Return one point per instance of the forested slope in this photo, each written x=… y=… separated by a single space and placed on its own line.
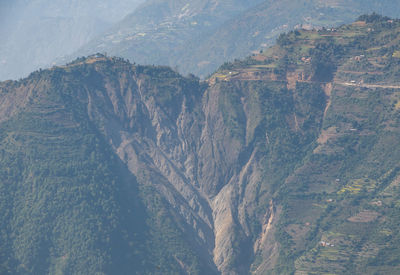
x=284 y=162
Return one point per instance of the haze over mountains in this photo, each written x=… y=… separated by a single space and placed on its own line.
x=194 y=36
x=198 y=36
x=34 y=33
x=286 y=162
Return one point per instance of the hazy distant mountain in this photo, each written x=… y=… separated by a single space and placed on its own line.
x=158 y=32
x=258 y=27
x=286 y=162
x=192 y=35
x=36 y=32
x=198 y=36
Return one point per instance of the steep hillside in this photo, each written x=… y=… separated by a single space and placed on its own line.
x=198 y=36
x=259 y=26
x=70 y=205
x=286 y=162
x=337 y=200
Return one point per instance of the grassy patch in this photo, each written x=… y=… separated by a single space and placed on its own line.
x=397 y=106
x=357 y=185
x=396 y=54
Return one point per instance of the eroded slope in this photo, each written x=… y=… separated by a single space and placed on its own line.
x=286 y=162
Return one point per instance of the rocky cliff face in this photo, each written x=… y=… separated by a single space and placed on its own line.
x=202 y=149
x=270 y=167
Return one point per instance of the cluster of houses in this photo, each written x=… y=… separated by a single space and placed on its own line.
x=377 y=203
x=326 y=244
x=332 y=30
x=360 y=82
x=359 y=57
x=306 y=59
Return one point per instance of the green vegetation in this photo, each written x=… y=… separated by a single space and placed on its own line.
x=335 y=191
x=286 y=161
x=232 y=29
x=69 y=204
x=64 y=184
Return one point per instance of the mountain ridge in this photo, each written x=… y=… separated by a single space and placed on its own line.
x=284 y=162
x=201 y=40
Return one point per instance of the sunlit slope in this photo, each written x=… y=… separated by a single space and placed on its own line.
x=284 y=162
x=198 y=36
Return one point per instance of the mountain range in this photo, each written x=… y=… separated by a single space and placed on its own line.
x=198 y=36
x=284 y=162
x=193 y=36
